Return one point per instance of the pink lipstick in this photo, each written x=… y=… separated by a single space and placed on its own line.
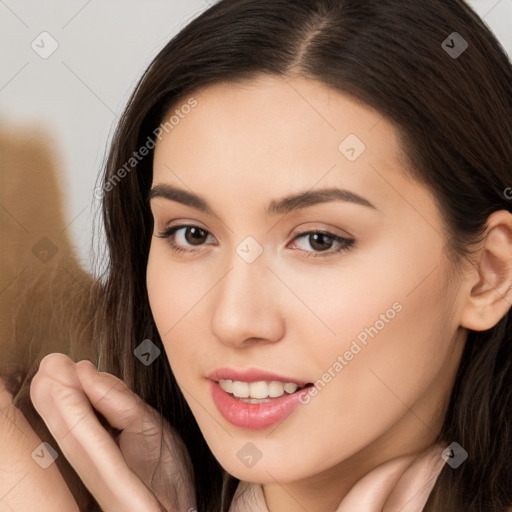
x=255 y=399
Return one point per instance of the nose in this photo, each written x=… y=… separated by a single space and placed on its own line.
x=246 y=306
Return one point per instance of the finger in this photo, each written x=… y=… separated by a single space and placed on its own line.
x=151 y=448
x=59 y=398
x=370 y=493
x=111 y=397
x=26 y=468
x=140 y=424
x=413 y=489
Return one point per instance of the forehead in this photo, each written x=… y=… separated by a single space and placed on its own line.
x=273 y=115
x=277 y=135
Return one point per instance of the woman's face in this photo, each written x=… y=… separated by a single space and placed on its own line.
x=311 y=257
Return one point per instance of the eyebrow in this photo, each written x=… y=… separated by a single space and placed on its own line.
x=284 y=205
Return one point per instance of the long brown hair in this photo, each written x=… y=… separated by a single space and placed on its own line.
x=454 y=116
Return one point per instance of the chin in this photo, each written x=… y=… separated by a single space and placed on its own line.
x=245 y=462
x=263 y=474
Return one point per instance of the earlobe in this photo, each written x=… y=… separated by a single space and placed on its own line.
x=490 y=296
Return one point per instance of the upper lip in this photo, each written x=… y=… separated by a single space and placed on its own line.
x=251 y=375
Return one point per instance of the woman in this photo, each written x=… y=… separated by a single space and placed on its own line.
x=307 y=209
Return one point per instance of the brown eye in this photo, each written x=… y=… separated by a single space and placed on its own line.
x=320 y=241
x=185 y=237
x=195 y=236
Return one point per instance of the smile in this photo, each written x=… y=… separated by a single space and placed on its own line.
x=258 y=392
x=257 y=404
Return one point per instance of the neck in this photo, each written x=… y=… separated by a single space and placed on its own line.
x=325 y=491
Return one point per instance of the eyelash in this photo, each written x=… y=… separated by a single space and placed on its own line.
x=345 y=244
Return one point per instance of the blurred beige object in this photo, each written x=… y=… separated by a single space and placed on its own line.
x=47 y=300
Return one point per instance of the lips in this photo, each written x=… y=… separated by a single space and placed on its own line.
x=283 y=396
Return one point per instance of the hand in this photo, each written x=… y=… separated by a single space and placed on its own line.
x=145 y=468
x=402 y=484
x=24 y=485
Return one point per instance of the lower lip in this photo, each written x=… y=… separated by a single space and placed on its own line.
x=255 y=416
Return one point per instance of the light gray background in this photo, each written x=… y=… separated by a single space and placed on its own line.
x=75 y=95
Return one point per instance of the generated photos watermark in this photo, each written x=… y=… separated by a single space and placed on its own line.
x=137 y=156
x=356 y=346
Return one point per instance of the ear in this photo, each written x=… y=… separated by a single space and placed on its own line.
x=490 y=295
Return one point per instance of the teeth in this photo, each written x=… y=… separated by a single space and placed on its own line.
x=240 y=389
x=290 y=387
x=257 y=390
x=227 y=386
x=275 y=389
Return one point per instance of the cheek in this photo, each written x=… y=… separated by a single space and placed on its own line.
x=364 y=294
x=173 y=289
x=176 y=295
x=381 y=335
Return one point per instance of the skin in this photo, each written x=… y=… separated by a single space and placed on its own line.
x=289 y=314
x=23 y=483
x=244 y=145
x=143 y=468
